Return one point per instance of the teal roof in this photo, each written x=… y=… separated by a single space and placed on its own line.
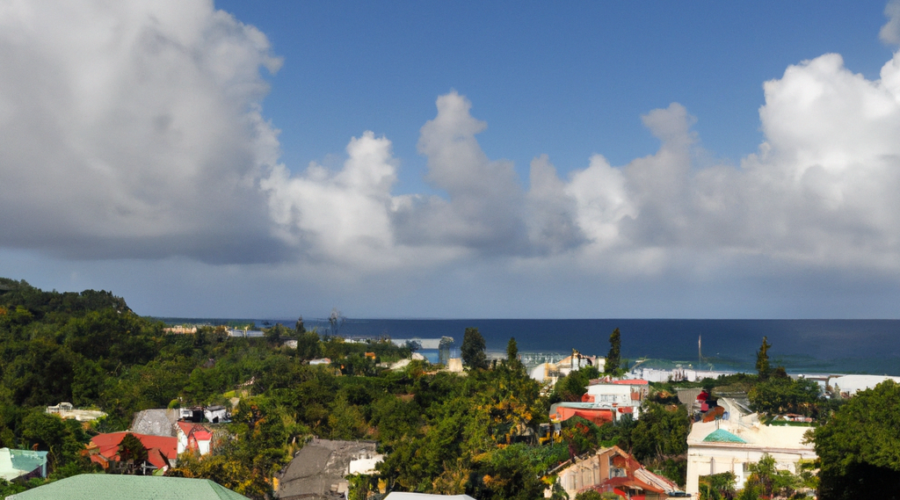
x=15 y=463
x=117 y=487
x=723 y=436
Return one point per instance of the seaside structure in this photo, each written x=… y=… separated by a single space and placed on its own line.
x=848 y=385
x=731 y=445
x=549 y=372
x=677 y=374
x=181 y=329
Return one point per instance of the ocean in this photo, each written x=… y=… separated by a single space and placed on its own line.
x=801 y=346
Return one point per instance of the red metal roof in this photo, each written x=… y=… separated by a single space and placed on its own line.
x=633 y=381
x=108 y=446
x=630 y=482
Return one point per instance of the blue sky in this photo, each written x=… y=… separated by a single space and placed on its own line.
x=465 y=159
x=567 y=81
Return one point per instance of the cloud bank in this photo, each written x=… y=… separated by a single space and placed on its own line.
x=136 y=131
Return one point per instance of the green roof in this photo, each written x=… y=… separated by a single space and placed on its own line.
x=723 y=436
x=117 y=487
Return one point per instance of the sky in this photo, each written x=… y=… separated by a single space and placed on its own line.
x=456 y=159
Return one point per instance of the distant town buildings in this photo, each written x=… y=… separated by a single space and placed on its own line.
x=67 y=411
x=549 y=372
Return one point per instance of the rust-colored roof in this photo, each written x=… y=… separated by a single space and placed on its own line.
x=633 y=381
x=156 y=458
x=630 y=482
x=203 y=435
x=108 y=447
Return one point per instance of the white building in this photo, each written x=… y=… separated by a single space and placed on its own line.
x=849 y=385
x=623 y=396
x=66 y=411
x=732 y=445
x=193 y=437
x=549 y=373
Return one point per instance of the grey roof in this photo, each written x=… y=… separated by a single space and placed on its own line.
x=117 y=487
x=158 y=422
x=688 y=396
x=318 y=469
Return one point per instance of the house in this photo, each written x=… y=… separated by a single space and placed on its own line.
x=216 y=414
x=320 y=361
x=193 y=437
x=732 y=444
x=118 y=486
x=622 y=396
x=22 y=464
x=161 y=450
x=66 y=411
x=560 y=412
x=318 y=470
x=613 y=470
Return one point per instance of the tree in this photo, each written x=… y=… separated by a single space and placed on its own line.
x=308 y=345
x=783 y=395
x=660 y=433
x=859 y=447
x=762 y=360
x=769 y=480
x=589 y=495
x=472 y=350
x=717 y=486
x=131 y=448
x=335 y=321
x=512 y=355
x=413 y=345
x=298 y=327
x=613 y=359
x=276 y=334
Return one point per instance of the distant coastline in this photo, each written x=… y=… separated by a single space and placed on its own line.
x=801 y=346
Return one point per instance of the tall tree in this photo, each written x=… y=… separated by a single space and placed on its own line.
x=299 y=327
x=613 y=359
x=762 y=360
x=472 y=349
x=512 y=354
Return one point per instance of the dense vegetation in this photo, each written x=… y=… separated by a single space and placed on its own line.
x=477 y=433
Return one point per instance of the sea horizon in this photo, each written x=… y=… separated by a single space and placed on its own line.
x=800 y=345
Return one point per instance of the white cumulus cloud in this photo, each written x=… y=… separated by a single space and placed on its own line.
x=133 y=129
